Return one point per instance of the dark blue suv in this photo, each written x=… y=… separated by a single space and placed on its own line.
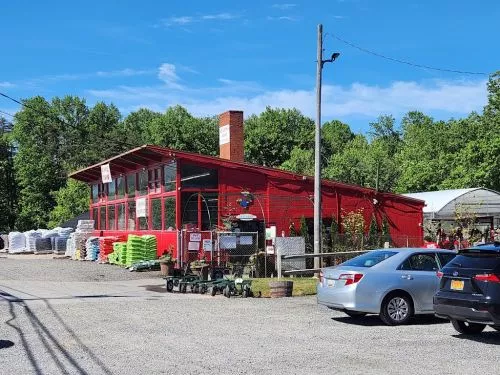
x=469 y=292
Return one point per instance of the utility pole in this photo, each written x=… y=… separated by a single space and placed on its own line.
x=317 y=152
x=317 y=149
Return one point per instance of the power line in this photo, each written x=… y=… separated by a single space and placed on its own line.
x=6 y=113
x=404 y=61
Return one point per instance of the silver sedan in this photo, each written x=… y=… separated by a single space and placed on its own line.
x=394 y=283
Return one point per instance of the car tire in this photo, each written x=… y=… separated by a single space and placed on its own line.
x=396 y=309
x=355 y=314
x=467 y=328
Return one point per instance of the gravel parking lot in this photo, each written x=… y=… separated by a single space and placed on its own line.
x=60 y=317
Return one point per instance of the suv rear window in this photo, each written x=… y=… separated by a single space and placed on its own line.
x=480 y=260
x=369 y=259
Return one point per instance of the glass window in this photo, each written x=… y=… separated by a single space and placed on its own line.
x=420 y=262
x=156 y=213
x=154 y=176
x=445 y=258
x=209 y=210
x=143 y=182
x=169 y=207
x=131 y=185
x=369 y=259
x=120 y=187
x=95 y=217
x=121 y=216
x=102 y=191
x=102 y=222
x=131 y=215
x=189 y=204
x=170 y=175
x=194 y=176
x=111 y=218
x=95 y=193
x=143 y=223
x=111 y=190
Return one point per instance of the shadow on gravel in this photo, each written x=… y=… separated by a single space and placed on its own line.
x=155 y=288
x=47 y=338
x=374 y=320
x=492 y=338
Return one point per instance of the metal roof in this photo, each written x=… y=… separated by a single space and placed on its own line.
x=442 y=204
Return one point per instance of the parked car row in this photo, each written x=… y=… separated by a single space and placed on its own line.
x=398 y=284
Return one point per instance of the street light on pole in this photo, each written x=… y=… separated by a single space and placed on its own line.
x=317 y=147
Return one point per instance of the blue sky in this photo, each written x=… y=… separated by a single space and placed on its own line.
x=211 y=56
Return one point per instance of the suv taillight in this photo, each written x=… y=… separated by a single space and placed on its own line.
x=489 y=277
x=439 y=274
x=321 y=277
x=350 y=278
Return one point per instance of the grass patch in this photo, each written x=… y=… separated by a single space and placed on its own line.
x=302 y=286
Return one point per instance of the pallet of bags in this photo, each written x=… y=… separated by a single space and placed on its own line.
x=17 y=243
x=61 y=241
x=92 y=246
x=45 y=244
x=70 y=246
x=31 y=237
x=150 y=245
x=135 y=249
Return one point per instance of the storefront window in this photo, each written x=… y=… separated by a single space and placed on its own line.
x=170 y=175
x=156 y=213
x=169 y=208
x=111 y=218
x=143 y=182
x=95 y=217
x=194 y=176
x=131 y=215
x=131 y=185
x=143 y=223
x=102 y=222
x=111 y=190
x=209 y=210
x=120 y=187
x=189 y=204
x=102 y=191
x=154 y=177
x=95 y=193
x=121 y=216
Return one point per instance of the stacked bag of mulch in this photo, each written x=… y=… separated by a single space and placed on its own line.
x=45 y=244
x=135 y=249
x=17 y=243
x=106 y=246
x=92 y=246
x=83 y=231
x=70 y=246
x=31 y=237
x=60 y=242
x=119 y=254
x=150 y=245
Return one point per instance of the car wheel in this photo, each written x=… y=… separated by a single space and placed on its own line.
x=467 y=328
x=355 y=314
x=396 y=309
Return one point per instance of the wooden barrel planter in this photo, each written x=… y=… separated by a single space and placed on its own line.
x=281 y=288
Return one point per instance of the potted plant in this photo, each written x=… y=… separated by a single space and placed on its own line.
x=200 y=267
x=167 y=262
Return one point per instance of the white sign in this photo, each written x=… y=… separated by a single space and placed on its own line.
x=270 y=249
x=106 y=174
x=246 y=240
x=193 y=246
x=195 y=237
x=246 y=217
x=141 y=207
x=227 y=242
x=224 y=135
x=207 y=245
x=271 y=232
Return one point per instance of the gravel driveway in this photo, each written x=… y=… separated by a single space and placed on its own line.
x=127 y=324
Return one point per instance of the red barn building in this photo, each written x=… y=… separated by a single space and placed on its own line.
x=156 y=190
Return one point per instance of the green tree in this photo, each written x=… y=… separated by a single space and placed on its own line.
x=271 y=136
x=71 y=200
x=136 y=128
x=8 y=188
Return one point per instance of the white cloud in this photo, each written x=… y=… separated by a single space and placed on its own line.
x=127 y=72
x=166 y=73
x=282 y=18
x=446 y=98
x=7 y=85
x=284 y=6
x=186 y=20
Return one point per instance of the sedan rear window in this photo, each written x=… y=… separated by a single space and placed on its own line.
x=369 y=259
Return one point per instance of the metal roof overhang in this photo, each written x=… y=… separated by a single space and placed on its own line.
x=121 y=164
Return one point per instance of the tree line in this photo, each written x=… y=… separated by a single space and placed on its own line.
x=49 y=139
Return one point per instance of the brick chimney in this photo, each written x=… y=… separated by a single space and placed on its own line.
x=231 y=136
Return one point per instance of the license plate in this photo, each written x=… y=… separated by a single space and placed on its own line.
x=330 y=283
x=457 y=285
